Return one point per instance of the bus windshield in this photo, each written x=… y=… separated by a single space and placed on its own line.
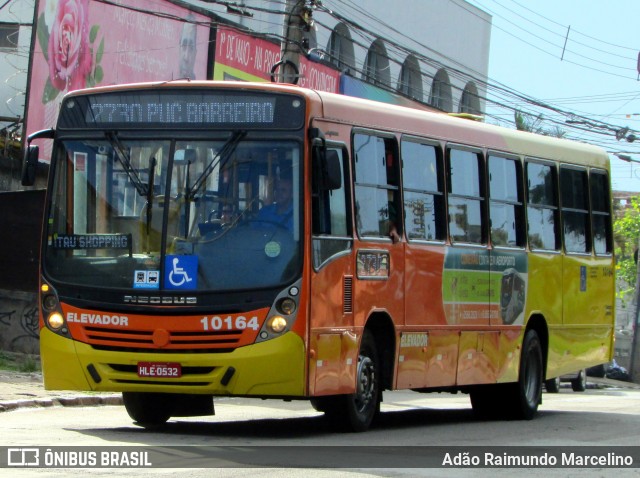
x=203 y=215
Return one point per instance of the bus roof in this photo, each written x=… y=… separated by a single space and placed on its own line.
x=419 y=122
x=443 y=127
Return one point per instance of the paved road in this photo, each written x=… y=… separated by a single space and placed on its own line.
x=597 y=417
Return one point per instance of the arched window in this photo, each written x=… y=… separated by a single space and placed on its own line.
x=410 y=82
x=441 y=92
x=470 y=101
x=376 y=69
x=340 y=48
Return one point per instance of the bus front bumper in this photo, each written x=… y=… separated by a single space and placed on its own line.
x=272 y=368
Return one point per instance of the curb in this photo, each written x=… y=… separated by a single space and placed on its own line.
x=116 y=399
x=72 y=401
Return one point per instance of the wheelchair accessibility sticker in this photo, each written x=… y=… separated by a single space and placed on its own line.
x=181 y=272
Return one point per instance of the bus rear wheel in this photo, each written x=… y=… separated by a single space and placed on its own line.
x=525 y=395
x=517 y=400
x=552 y=385
x=355 y=412
x=147 y=409
x=579 y=384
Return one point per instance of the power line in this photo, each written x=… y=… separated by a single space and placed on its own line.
x=562 y=35
x=504 y=98
x=556 y=46
x=575 y=31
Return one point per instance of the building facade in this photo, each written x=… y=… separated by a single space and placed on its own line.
x=427 y=54
x=430 y=51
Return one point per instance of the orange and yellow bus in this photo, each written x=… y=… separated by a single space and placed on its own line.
x=207 y=239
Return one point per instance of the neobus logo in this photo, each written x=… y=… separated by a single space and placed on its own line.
x=159 y=300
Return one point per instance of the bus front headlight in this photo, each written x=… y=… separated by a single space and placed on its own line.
x=55 y=320
x=277 y=324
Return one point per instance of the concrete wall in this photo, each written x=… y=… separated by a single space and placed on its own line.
x=19 y=322
x=21 y=219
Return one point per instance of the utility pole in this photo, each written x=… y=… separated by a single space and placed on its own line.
x=634 y=359
x=288 y=67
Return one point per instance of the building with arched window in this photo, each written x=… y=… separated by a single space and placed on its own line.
x=436 y=52
x=431 y=51
x=428 y=53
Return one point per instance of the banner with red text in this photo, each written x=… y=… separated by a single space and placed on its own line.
x=240 y=56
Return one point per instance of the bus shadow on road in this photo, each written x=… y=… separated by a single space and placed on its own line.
x=283 y=428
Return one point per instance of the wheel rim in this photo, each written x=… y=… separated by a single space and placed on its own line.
x=366 y=390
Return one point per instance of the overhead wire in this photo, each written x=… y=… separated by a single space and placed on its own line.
x=584 y=127
x=492 y=85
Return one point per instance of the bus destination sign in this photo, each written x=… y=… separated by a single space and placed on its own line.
x=238 y=110
x=182 y=109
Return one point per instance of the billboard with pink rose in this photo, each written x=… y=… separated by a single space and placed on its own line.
x=81 y=43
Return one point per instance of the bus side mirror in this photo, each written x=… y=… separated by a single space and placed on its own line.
x=30 y=165
x=332 y=173
x=328 y=168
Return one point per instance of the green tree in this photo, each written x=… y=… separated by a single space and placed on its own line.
x=534 y=124
x=626 y=229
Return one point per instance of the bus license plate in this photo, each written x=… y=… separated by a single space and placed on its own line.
x=159 y=369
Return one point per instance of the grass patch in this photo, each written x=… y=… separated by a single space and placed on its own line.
x=14 y=362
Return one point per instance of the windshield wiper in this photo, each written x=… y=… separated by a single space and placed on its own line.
x=123 y=157
x=144 y=190
x=219 y=159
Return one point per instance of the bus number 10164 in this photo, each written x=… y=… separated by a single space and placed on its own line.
x=229 y=323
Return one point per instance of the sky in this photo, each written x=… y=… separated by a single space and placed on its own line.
x=594 y=75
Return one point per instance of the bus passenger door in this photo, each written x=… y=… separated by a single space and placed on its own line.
x=508 y=262
x=428 y=347
x=466 y=291
x=333 y=344
x=380 y=262
x=587 y=307
x=467 y=275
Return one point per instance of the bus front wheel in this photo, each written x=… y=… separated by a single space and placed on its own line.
x=147 y=409
x=355 y=412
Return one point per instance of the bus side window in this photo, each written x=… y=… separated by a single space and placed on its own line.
x=377 y=190
x=542 y=207
x=600 y=212
x=505 y=202
x=330 y=221
x=466 y=198
x=575 y=210
x=423 y=185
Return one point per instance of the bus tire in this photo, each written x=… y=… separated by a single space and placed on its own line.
x=552 y=385
x=579 y=384
x=147 y=409
x=356 y=411
x=525 y=395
